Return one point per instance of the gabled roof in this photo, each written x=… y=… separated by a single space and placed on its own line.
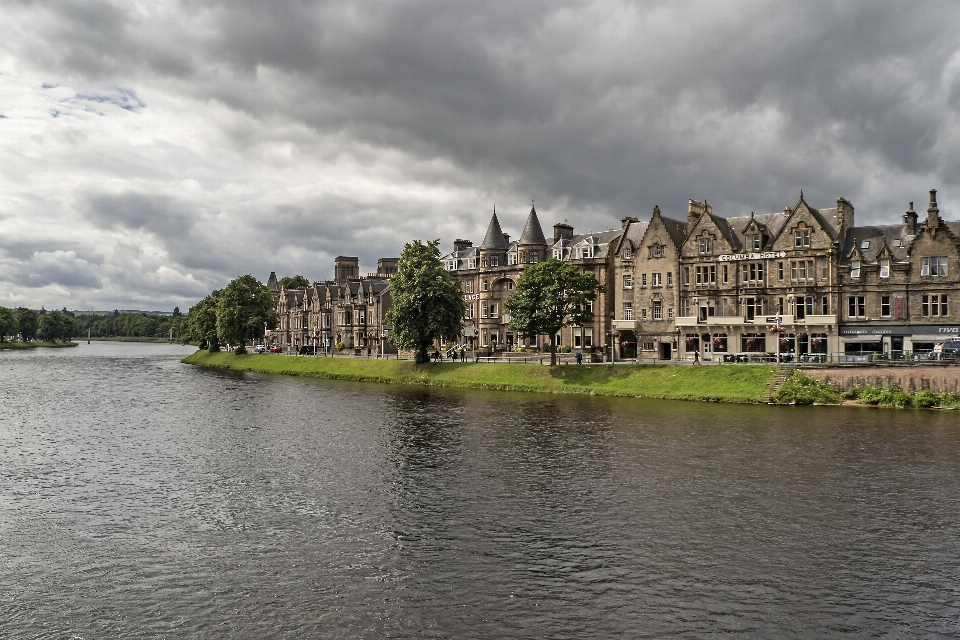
x=532 y=231
x=876 y=236
x=494 y=238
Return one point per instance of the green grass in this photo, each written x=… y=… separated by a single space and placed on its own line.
x=742 y=383
x=35 y=345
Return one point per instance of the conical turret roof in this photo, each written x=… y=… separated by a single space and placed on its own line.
x=532 y=231
x=272 y=283
x=494 y=238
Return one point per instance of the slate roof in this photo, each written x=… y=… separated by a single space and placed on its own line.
x=494 y=238
x=876 y=236
x=532 y=231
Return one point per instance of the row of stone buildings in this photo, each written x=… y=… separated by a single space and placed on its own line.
x=802 y=280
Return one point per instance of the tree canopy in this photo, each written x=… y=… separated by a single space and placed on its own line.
x=244 y=309
x=56 y=326
x=201 y=323
x=427 y=301
x=8 y=323
x=28 y=322
x=294 y=282
x=550 y=295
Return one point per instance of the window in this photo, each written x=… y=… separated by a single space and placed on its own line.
x=468 y=286
x=451 y=265
x=646 y=346
x=754 y=308
x=801 y=270
x=686 y=275
x=854 y=268
x=484 y=310
x=361 y=317
x=587 y=337
x=933 y=266
x=577 y=335
x=493 y=309
x=483 y=285
x=588 y=306
x=725 y=309
x=684 y=308
x=754 y=241
x=884 y=306
x=865 y=244
x=643 y=279
x=656 y=251
x=558 y=254
x=885 y=268
x=670 y=313
x=643 y=313
x=585 y=252
x=780 y=271
x=627 y=253
x=657 y=310
x=725 y=274
x=935 y=305
x=856 y=307
x=801 y=238
x=471 y=263
x=511 y=258
x=669 y=278
x=628 y=311
x=509 y=285
x=824 y=269
x=628 y=281
x=898 y=243
x=752 y=271
x=533 y=257
x=494 y=261
x=825 y=305
x=471 y=310
x=656 y=279
x=705 y=244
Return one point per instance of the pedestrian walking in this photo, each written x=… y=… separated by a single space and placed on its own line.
x=579 y=357
x=696 y=357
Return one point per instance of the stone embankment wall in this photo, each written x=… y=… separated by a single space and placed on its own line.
x=909 y=378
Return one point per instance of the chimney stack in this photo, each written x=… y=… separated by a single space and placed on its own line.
x=562 y=231
x=933 y=213
x=910 y=221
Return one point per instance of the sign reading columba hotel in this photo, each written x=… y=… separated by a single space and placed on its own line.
x=752 y=256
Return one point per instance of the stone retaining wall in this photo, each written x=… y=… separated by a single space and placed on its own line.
x=909 y=378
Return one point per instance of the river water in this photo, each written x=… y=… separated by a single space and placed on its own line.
x=143 y=498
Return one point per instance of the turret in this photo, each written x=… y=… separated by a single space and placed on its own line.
x=532 y=245
x=494 y=246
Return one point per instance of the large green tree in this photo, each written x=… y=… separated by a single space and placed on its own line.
x=56 y=326
x=427 y=302
x=200 y=325
x=244 y=310
x=28 y=321
x=551 y=295
x=8 y=323
x=294 y=282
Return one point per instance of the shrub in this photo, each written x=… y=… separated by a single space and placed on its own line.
x=800 y=388
x=339 y=346
x=240 y=350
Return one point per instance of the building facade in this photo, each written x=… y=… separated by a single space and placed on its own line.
x=489 y=274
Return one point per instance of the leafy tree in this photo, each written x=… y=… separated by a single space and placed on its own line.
x=28 y=321
x=57 y=326
x=176 y=312
x=427 y=302
x=200 y=324
x=244 y=308
x=8 y=323
x=294 y=282
x=550 y=295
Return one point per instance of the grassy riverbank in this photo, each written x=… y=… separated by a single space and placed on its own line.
x=742 y=384
x=36 y=345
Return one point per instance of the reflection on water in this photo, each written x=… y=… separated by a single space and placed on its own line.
x=143 y=498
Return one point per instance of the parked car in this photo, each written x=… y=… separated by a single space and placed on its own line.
x=276 y=349
x=260 y=348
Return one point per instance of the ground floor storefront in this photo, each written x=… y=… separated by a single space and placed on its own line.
x=893 y=342
x=751 y=342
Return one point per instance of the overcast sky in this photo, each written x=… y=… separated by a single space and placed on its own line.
x=151 y=151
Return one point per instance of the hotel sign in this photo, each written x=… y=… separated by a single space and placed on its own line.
x=766 y=255
x=471 y=296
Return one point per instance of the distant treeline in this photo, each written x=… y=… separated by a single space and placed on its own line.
x=27 y=324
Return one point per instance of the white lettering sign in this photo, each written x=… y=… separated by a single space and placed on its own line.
x=753 y=256
x=471 y=296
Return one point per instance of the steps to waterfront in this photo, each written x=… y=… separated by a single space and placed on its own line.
x=784 y=371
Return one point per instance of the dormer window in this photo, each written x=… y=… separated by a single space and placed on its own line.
x=705 y=244
x=884 y=267
x=898 y=243
x=471 y=263
x=865 y=244
x=558 y=254
x=585 y=252
x=627 y=253
x=801 y=239
x=754 y=242
x=511 y=258
x=854 y=268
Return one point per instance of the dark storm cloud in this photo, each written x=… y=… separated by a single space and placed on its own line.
x=430 y=111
